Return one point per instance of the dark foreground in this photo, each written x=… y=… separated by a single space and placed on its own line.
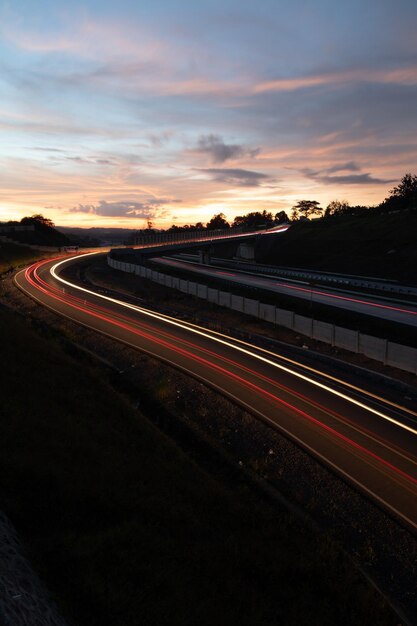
x=125 y=529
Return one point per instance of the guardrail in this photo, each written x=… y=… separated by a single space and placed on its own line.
x=377 y=348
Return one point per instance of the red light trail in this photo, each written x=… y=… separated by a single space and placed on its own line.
x=353 y=431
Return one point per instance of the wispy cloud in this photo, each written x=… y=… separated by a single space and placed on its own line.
x=87 y=37
x=153 y=208
x=244 y=178
x=351 y=166
x=400 y=76
x=327 y=177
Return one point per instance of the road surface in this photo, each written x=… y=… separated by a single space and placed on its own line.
x=367 y=439
x=402 y=313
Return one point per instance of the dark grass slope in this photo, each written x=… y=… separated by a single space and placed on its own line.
x=13 y=256
x=43 y=234
x=370 y=245
x=126 y=530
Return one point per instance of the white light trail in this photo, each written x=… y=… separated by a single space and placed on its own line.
x=222 y=339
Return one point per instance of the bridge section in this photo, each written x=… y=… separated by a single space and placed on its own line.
x=206 y=242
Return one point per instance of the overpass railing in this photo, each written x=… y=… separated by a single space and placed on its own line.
x=152 y=239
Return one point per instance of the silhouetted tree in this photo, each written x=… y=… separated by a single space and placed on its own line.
x=337 y=207
x=281 y=217
x=177 y=229
x=38 y=219
x=256 y=218
x=407 y=189
x=218 y=221
x=307 y=208
x=403 y=197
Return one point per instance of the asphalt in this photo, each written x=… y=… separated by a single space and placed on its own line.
x=366 y=304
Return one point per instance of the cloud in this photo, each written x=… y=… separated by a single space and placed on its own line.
x=326 y=178
x=406 y=76
x=351 y=166
x=355 y=179
x=87 y=38
x=358 y=124
x=77 y=159
x=219 y=152
x=158 y=140
x=243 y=178
x=91 y=160
x=150 y=208
x=42 y=149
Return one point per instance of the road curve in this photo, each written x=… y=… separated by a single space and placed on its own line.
x=367 y=439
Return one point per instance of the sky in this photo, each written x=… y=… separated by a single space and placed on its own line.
x=115 y=113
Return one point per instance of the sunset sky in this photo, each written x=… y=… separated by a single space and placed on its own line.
x=174 y=110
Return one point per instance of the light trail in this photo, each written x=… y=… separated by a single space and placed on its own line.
x=266 y=282
x=94 y=309
x=381 y=462
x=218 y=337
x=203 y=331
x=191 y=355
x=341 y=419
x=356 y=300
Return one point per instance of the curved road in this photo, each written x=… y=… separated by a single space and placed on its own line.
x=367 y=439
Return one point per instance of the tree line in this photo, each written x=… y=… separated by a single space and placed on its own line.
x=254 y=219
x=403 y=197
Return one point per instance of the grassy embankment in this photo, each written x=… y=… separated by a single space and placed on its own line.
x=370 y=245
x=128 y=530
x=13 y=256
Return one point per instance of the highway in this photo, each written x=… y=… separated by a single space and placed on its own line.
x=368 y=440
x=382 y=286
x=402 y=313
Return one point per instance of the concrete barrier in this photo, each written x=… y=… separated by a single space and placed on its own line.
x=284 y=318
x=225 y=299
x=374 y=347
x=267 y=312
x=213 y=295
x=402 y=357
x=322 y=331
x=303 y=325
x=251 y=307
x=377 y=348
x=346 y=338
x=237 y=303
